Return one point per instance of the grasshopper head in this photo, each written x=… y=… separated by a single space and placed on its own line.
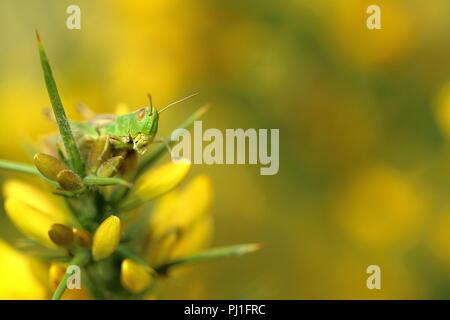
x=144 y=127
x=151 y=122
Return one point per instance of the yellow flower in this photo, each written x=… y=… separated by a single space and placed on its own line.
x=181 y=223
x=19 y=278
x=156 y=182
x=33 y=211
x=106 y=238
x=135 y=277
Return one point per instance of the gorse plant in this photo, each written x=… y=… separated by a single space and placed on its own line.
x=97 y=213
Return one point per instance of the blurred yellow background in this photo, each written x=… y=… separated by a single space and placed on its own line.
x=364 y=119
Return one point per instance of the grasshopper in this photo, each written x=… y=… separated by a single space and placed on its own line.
x=126 y=133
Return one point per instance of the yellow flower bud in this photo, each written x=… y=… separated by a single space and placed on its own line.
x=156 y=182
x=134 y=277
x=106 y=238
x=82 y=238
x=60 y=234
x=48 y=165
x=68 y=180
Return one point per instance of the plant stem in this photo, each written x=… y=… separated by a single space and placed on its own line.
x=80 y=259
x=24 y=168
x=63 y=124
x=215 y=253
x=19 y=167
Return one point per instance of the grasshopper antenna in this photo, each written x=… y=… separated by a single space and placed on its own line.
x=178 y=101
x=150 y=100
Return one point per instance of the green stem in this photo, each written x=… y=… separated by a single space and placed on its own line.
x=210 y=254
x=19 y=167
x=24 y=168
x=63 y=124
x=80 y=259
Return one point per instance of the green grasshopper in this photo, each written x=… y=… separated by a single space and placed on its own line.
x=131 y=131
x=134 y=130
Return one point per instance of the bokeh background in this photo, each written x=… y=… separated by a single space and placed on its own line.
x=364 y=119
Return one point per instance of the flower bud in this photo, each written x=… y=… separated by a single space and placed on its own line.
x=106 y=238
x=82 y=238
x=135 y=277
x=48 y=165
x=110 y=167
x=69 y=180
x=99 y=153
x=157 y=182
x=61 y=234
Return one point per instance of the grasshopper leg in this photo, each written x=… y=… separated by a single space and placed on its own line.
x=119 y=142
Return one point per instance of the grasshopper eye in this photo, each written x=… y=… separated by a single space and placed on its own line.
x=140 y=114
